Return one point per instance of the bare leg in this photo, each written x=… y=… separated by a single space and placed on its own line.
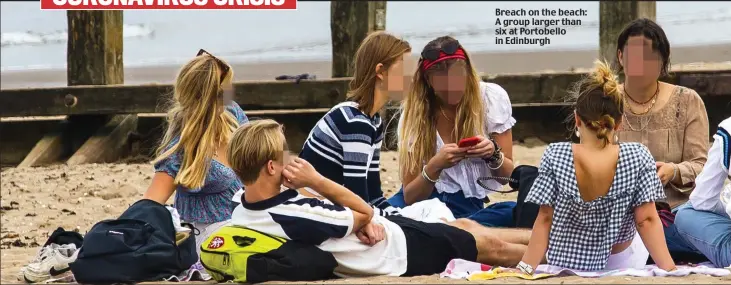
x=491 y=249
x=519 y=236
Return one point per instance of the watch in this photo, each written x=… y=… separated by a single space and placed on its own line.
x=525 y=268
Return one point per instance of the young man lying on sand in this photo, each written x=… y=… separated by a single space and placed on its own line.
x=363 y=244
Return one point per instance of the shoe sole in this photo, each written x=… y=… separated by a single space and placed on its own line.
x=51 y=273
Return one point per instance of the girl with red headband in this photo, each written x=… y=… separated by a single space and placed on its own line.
x=447 y=103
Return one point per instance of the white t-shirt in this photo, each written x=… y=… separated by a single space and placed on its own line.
x=710 y=193
x=463 y=176
x=329 y=226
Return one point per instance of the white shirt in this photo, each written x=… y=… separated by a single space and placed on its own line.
x=463 y=176
x=710 y=194
x=328 y=226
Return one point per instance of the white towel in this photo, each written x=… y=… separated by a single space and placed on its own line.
x=462 y=269
x=176 y=220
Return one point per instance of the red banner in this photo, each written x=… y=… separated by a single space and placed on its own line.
x=168 y=4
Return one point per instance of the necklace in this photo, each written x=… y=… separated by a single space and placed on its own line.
x=652 y=101
x=643 y=126
x=657 y=89
x=444 y=114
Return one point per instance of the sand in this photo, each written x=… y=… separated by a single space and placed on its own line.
x=35 y=201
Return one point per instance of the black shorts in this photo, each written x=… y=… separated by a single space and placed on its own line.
x=430 y=246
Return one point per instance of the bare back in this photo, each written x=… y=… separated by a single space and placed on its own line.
x=595 y=170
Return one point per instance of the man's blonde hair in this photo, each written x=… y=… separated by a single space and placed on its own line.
x=253 y=145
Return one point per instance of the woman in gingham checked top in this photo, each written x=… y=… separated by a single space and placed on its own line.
x=594 y=194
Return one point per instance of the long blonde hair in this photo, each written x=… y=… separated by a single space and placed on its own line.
x=377 y=47
x=197 y=115
x=418 y=131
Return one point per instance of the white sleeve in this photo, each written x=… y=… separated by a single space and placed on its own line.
x=709 y=183
x=499 y=109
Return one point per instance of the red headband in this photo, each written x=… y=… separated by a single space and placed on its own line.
x=426 y=63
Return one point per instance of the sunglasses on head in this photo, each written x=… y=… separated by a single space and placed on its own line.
x=449 y=48
x=224 y=67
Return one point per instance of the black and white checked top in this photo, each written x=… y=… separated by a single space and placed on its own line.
x=583 y=233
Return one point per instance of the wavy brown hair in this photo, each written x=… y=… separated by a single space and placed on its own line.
x=197 y=115
x=417 y=132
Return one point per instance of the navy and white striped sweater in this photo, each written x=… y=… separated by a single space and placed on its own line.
x=345 y=147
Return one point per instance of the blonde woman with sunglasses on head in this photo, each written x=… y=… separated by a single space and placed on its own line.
x=447 y=103
x=191 y=158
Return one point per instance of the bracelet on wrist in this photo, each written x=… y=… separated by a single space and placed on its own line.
x=426 y=176
x=525 y=268
x=499 y=163
x=675 y=172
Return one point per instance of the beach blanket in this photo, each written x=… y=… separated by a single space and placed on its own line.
x=462 y=269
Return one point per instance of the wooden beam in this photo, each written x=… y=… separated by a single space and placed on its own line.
x=94 y=51
x=108 y=144
x=47 y=150
x=94 y=57
x=131 y=99
x=613 y=17
x=376 y=16
x=544 y=121
x=349 y=22
x=308 y=94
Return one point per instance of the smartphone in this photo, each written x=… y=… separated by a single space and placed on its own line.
x=468 y=142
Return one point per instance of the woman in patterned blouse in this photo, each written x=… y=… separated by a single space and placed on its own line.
x=596 y=196
x=192 y=156
x=670 y=120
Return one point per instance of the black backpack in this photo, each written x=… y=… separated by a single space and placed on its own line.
x=140 y=245
x=524 y=213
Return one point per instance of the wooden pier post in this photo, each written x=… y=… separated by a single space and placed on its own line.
x=350 y=23
x=613 y=17
x=94 y=57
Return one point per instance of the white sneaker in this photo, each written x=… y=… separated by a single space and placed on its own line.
x=51 y=261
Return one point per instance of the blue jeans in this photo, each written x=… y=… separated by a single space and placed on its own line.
x=495 y=215
x=708 y=232
x=675 y=241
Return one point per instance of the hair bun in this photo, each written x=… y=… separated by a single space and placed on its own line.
x=605 y=77
x=603 y=126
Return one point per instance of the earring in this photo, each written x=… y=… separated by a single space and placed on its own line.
x=578 y=135
x=616 y=139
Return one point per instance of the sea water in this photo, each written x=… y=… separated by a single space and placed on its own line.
x=35 y=39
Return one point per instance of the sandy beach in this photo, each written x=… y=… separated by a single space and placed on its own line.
x=486 y=63
x=35 y=201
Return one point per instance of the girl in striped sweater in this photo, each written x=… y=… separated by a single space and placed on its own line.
x=345 y=144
